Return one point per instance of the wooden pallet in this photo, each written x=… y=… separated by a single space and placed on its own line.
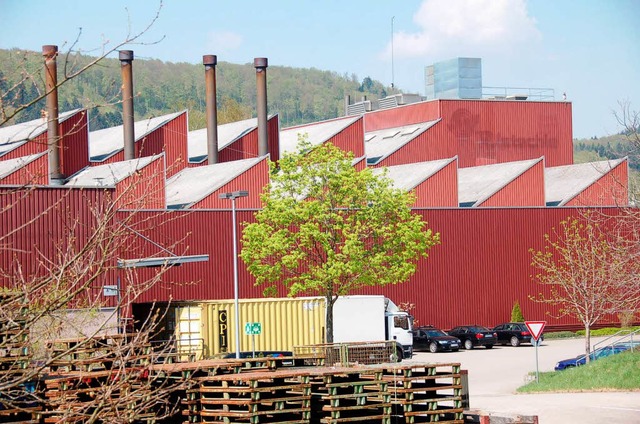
x=350 y=394
x=426 y=392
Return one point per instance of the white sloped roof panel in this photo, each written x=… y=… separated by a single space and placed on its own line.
x=110 y=174
x=478 y=183
x=409 y=176
x=194 y=184
x=12 y=136
x=317 y=133
x=563 y=183
x=108 y=141
x=382 y=143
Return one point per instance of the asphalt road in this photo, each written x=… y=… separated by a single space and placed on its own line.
x=495 y=374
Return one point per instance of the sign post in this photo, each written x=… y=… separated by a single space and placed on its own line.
x=535 y=328
x=251 y=329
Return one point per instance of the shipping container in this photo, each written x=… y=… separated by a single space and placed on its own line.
x=207 y=329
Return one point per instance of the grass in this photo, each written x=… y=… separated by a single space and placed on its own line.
x=619 y=372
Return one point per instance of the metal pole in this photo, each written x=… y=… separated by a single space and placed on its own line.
x=537 y=342
x=235 y=276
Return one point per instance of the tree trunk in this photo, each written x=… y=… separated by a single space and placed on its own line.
x=587 y=341
x=329 y=318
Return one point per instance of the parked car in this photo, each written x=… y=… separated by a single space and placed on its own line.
x=513 y=333
x=474 y=335
x=596 y=354
x=434 y=339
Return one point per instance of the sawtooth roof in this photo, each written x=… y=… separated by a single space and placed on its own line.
x=16 y=135
x=563 y=183
x=382 y=143
x=227 y=134
x=108 y=175
x=194 y=184
x=476 y=184
x=109 y=141
x=318 y=133
x=409 y=176
x=9 y=166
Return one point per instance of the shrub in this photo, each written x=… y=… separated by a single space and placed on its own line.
x=608 y=331
x=516 y=313
x=559 y=335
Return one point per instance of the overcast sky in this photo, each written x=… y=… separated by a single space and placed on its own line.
x=589 y=49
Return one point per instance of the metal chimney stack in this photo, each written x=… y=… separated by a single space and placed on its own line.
x=53 y=134
x=126 y=59
x=261 y=63
x=209 y=61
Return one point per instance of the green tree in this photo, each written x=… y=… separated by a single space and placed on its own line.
x=329 y=229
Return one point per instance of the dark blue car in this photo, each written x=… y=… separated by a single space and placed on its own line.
x=597 y=354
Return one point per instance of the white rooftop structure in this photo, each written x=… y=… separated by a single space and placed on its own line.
x=191 y=185
x=109 y=141
x=409 y=176
x=563 y=183
x=227 y=134
x=108 y=175
x=382 y=143
x=9 y=166
x=16 y=135
x=318 y=133
x=476 y=184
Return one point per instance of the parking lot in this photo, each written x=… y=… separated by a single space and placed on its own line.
x=495 y=374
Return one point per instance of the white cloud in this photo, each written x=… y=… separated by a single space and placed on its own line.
x=224 y=41
x=466 y=27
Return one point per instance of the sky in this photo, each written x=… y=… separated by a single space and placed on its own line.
x=588 y=49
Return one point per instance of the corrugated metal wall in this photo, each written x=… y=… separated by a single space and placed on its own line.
x=483 y=132
x=414 y=113
x=481 y=268
x=145 y=189
x=351 y=139
x=40 y=223
x=285 y=323
x=31 y=147
x=174 y=144
x=487 y=131
x=34 y=173
x=440 y=190
x=526 y=190
x=75 y=143
x=246 y=147
x=610 y=190
x=254 y=181
x=170 y=138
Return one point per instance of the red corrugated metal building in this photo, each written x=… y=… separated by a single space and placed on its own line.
x=246 y=146
x=481 y=132
x=170 y=138
x=29 y=170
x=481 y=268
x=475 y=275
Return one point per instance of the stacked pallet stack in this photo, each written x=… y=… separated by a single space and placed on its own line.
x=100 y=376
x=255 y=397
x=18 y=401
x=350 y=394
x=426 y=392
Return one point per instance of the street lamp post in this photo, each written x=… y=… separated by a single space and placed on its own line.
x=233 y=196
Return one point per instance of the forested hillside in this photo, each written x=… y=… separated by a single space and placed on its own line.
x=297 y=95
x=604 y=148
x=611 y=147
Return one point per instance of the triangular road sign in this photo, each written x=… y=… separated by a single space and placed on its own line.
x=535 y=328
